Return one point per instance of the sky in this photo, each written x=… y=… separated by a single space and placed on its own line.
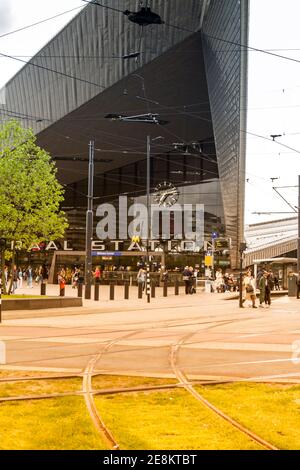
x=274 y=89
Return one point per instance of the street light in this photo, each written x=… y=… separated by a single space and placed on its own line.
x=89 y=224
x=243 y=247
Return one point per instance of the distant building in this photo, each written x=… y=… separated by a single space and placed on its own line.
x=274 y=239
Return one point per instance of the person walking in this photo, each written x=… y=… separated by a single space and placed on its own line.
x=219 y=282
x=97 y=275
x=186 y=276
x=298 y=285
x=250 y=288
x=269 y=288
x=29 y=276
x=186 y=279
x=141 y=278
x=263 y=282
x=20 y=278
x=192 y=289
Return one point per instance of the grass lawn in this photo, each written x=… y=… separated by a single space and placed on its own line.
x=53 y=424
x=271 y=411
x=39 y=387
x=102 y=382
x=167 y=420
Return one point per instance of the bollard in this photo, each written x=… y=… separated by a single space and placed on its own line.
x=80 y=285
x=176 y=286
x=96 y=292
x=140 y=290
x=153 y=289
x=165 y=288
x=43 y=288
x=112 y=291
x=126 y=290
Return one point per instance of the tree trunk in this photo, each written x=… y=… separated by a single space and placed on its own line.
x=2 y=271
x=12 y=265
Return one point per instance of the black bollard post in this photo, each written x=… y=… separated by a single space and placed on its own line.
x=140 y=290
x=165 y=288
x=153 y=289
x=43 y=288
x=80 y=285
x=112 y=291
x=126 y=290
x=176 y=286
x=96 y=292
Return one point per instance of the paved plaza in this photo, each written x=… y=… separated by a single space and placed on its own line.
x=215 y=340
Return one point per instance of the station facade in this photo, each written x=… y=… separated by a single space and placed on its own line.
x=186 y=81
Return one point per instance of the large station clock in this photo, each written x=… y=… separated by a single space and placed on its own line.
x=166 y=194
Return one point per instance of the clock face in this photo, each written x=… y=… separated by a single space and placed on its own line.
x=166 y=194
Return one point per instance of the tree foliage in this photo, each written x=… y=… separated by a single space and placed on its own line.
x=30 y=195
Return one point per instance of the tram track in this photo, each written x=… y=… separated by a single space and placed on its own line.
x=89 y=371
x=183 y=380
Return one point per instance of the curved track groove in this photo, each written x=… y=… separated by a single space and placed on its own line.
x=89 y=398
x=185 y=383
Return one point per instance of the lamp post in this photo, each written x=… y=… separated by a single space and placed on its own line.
x=243 y=247
x=148 y=281
x=89 y=224
x=298 y=250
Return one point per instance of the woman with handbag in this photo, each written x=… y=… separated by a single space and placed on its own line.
x=250 y=288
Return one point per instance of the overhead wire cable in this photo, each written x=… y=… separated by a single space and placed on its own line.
x=39 y=22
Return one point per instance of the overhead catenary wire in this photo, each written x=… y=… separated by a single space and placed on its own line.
x=226 y=41
x=105 y=6
x=39 y=22
x=43 y=67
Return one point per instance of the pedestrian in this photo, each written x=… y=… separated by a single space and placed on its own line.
x=97 y=275
x=276 y=282
x=269 y=288
x=141 y=278
x=219 y=282
x=186 y=277
x=20 y=278
x=29 y=276
x=250 y=288
x=192 y=289
x=14 y=280
x=263 y=283
x=75 y=277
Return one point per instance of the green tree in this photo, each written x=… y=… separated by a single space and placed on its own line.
x=30 y=195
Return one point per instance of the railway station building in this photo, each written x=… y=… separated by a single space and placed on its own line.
x=113 y=81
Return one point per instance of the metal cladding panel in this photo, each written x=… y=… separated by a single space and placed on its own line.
x=90 y=48
x=81 y=70
x=225 y=28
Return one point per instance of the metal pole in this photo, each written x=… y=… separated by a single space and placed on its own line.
x=298 y=251
x=241 y=281
x=243 y=247
x=148 y=284
x=89 y=224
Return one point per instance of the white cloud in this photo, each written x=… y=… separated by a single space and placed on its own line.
x=5 y=16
